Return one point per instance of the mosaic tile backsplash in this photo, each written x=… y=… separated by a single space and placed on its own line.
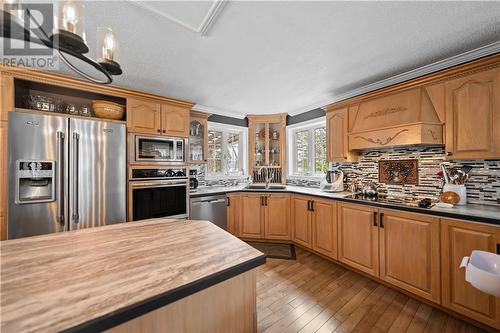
x=483 y=186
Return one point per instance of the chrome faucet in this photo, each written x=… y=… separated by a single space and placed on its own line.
x=267 y=179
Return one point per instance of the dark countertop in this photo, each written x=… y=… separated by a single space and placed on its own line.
x=94 y=279
x=470 y=212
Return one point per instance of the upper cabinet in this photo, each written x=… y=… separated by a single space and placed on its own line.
x=473 y=116
x=267 y=144
x=150 y=117
x=144 y=117
x=174 y=120
x=198 y=137
x=337 y=127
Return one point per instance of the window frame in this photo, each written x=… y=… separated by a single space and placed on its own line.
x=242 y=150
x=292 y=130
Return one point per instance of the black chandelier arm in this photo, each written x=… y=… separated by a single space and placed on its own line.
x=26 y=35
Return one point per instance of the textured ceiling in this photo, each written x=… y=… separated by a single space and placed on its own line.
x=267 y=57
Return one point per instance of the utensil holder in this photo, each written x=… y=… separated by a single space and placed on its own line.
x=460 y=190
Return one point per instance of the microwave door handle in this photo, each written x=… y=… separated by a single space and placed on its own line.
x=60 y=178
x=76 y=139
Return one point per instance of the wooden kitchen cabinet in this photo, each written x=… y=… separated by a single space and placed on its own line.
x=409 y=252
x=324 y=227
x=301 y=220
x=315 y=224
x=233 y=209
x=458 y=240
x=198 y=137
x=358 y=237
x=143 y=117
x=149 y=117
x=267 y=145
x=174 y=120
x=337 y=127
x=473 y=116
x=252 y=216
x=277 y=216
x=265 y=215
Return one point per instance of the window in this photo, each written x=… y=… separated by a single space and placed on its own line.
x=308 y=154
x=226 y=150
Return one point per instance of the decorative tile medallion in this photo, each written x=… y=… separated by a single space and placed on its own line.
x=397 y=172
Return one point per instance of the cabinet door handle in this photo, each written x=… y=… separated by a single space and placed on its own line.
x=228 y=201
x=266 y=200
x=312 y=205
x=375 y=219
x=308 y=205
x=381 y=221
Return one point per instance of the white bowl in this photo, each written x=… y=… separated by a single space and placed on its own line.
x=482 y=270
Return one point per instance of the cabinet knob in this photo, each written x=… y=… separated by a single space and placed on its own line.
x=449 y=153
x=164 y=131
x=158 y=130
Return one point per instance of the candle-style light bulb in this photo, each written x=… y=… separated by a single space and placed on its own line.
x=70 y=17
x=108 y=46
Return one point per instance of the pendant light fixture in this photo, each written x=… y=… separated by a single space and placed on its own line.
x=68 y=37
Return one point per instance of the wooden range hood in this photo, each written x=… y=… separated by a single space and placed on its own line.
x=403 y=118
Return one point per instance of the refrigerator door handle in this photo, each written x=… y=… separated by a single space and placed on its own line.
x=60 y=178
x=76 y=139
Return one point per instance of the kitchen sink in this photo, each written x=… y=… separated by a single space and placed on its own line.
x=256 y=187
x=263 y=187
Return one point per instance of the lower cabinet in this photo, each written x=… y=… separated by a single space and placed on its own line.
x=324 y=227
x=358 y=237
x=252 y=216
x=265 y=216
x=233 y=209
x=301 y=221
x=315 y=224
x=409 y=252
x=458 y=239
x=277 y=216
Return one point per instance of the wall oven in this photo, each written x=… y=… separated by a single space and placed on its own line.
x=155 y=193
x=157 y=150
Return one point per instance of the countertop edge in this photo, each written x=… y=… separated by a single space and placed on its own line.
x=460 y=216
x=133 y=311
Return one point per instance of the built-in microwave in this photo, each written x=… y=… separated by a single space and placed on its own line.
x=157 y=149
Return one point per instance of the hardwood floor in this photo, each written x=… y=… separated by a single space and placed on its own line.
x=311 y=294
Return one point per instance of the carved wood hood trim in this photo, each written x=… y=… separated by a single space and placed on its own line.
x=380 y=142
x=386 y=111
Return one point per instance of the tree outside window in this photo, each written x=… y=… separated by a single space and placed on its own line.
x=225 y=152
x=309 y=150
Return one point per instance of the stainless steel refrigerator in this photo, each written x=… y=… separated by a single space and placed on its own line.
x=64 y=174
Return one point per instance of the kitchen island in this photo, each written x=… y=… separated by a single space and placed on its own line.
x=162 y=274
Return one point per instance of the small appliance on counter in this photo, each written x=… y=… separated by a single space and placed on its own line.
x=333 y=182
x=193 y=180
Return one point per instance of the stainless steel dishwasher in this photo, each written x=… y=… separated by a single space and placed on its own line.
x=211 y=208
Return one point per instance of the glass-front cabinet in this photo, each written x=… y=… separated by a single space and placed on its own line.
x=198 y=137
x=267 y=145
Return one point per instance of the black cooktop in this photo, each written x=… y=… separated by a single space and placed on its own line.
x=395 y=200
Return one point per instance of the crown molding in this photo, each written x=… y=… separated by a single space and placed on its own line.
x=415 y=73
x=202 y=29
x=220 y=112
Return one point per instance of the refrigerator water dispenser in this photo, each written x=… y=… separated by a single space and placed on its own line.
x=35 y=181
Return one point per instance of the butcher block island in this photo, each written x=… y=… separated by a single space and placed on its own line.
x=155 y=275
